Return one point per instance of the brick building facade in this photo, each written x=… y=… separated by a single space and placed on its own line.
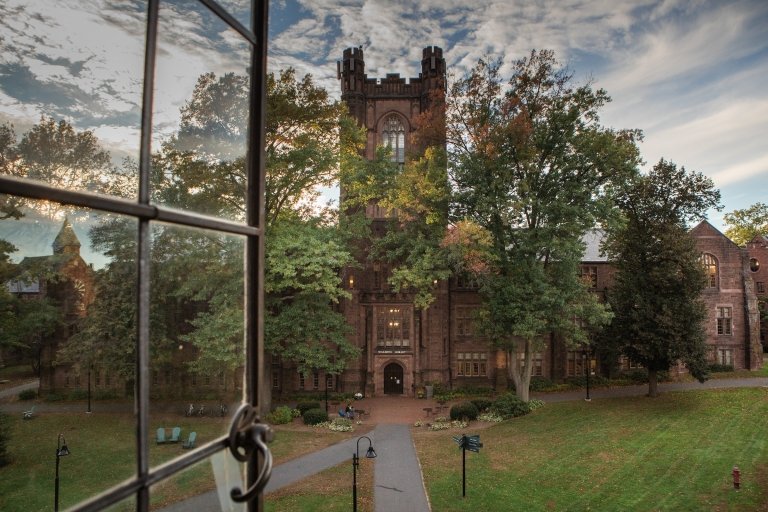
x=757 y=249
x=67 y=281
x=403 y=348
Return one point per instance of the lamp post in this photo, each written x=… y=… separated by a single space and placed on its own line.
x=588 y=370
x=89 y=388
x=326 y=394
x=61 y=451
x=370 y=454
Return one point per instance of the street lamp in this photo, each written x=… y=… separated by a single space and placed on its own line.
x=370 y=454
x=90 y=366
x=61 y=451
x=587 y=369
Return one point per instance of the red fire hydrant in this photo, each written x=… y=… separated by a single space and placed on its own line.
x=736 y=477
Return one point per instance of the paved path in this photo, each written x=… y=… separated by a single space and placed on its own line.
x=18 y=389
x=397 y=478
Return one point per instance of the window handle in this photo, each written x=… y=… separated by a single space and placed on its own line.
x=246 y=435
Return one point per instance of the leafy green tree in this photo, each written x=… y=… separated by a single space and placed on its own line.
x=106 y=336
x=197 y=290
x=25 y=325
x=744 y=225
x=532 y=170
x=659 y=316
x=9 y=205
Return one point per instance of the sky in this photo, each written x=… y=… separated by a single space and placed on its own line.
x=691 y=74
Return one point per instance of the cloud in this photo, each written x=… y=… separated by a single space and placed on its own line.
x=690 y=73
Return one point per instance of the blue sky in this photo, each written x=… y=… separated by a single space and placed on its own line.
x=691 y=74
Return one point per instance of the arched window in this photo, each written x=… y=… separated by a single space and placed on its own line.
x=710 y=269
x=393 y=135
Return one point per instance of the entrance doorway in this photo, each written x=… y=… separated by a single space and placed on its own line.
x=393 y=379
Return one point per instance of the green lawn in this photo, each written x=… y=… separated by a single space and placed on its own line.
x=102 y=450
x=672 y=453
x=328 y=491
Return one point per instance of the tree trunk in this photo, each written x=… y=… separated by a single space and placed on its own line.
x=653 y=383
x=524 y=385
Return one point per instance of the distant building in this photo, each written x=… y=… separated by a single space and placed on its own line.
x=733 y=320
x=68 y=281
x=757 y=249
x=403 y=348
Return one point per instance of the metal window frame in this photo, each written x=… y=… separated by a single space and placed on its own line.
x=145 y=212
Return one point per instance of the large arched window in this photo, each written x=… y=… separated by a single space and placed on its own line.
x=710 y=269
x=393 y=135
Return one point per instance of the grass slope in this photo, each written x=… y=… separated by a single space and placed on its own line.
x=673 y=453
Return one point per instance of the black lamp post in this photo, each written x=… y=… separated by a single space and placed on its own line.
x=61 y=451
x=588 y=370
x=326 y=394
x=370 y=454
x=89 y=389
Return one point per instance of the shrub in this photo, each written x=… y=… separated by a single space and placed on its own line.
x=105 y=394
x=510 y=406
x=340 y=425
x=314 y=416
x=535 y=403
x=305 y=406
x=718 y=368
x=54 y=397
x=474 y=391
x=594 y=381
x=542 y=384
x=491 y=417
x=77 y=394
x=280 y=416
x=464 y=410
x=439 y=389
x=5 y=437
x=482 y=404
x=28 y=394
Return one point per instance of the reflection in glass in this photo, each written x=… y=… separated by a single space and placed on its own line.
x=67 y=313
x=202 y=115
x=201 y=486
x=197 y=359
x=75 y=102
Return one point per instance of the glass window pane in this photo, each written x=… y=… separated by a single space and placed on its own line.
x=196 y=335
x=68 y=277
x=195 y=488
x=201 y=113
x=74 y=102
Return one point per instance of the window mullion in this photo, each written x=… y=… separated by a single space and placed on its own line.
x=143 y=259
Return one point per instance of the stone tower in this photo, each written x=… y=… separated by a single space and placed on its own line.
x=401 y=347
x=386 y=107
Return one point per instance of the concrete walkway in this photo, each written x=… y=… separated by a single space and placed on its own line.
x=397 y=478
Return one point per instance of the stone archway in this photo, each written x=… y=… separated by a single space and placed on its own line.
x=393 y=379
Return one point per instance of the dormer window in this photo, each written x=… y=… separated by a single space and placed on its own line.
x=393 y=136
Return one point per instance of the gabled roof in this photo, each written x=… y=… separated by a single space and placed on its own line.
x=592 y=240
x=20 y=286
x=704 y=228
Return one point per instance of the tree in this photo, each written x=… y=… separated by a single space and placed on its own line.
x=659 y=315
x=25 y=324
x=744 y=225
x=534 y=170
x=197 y=289
x=530 y=170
